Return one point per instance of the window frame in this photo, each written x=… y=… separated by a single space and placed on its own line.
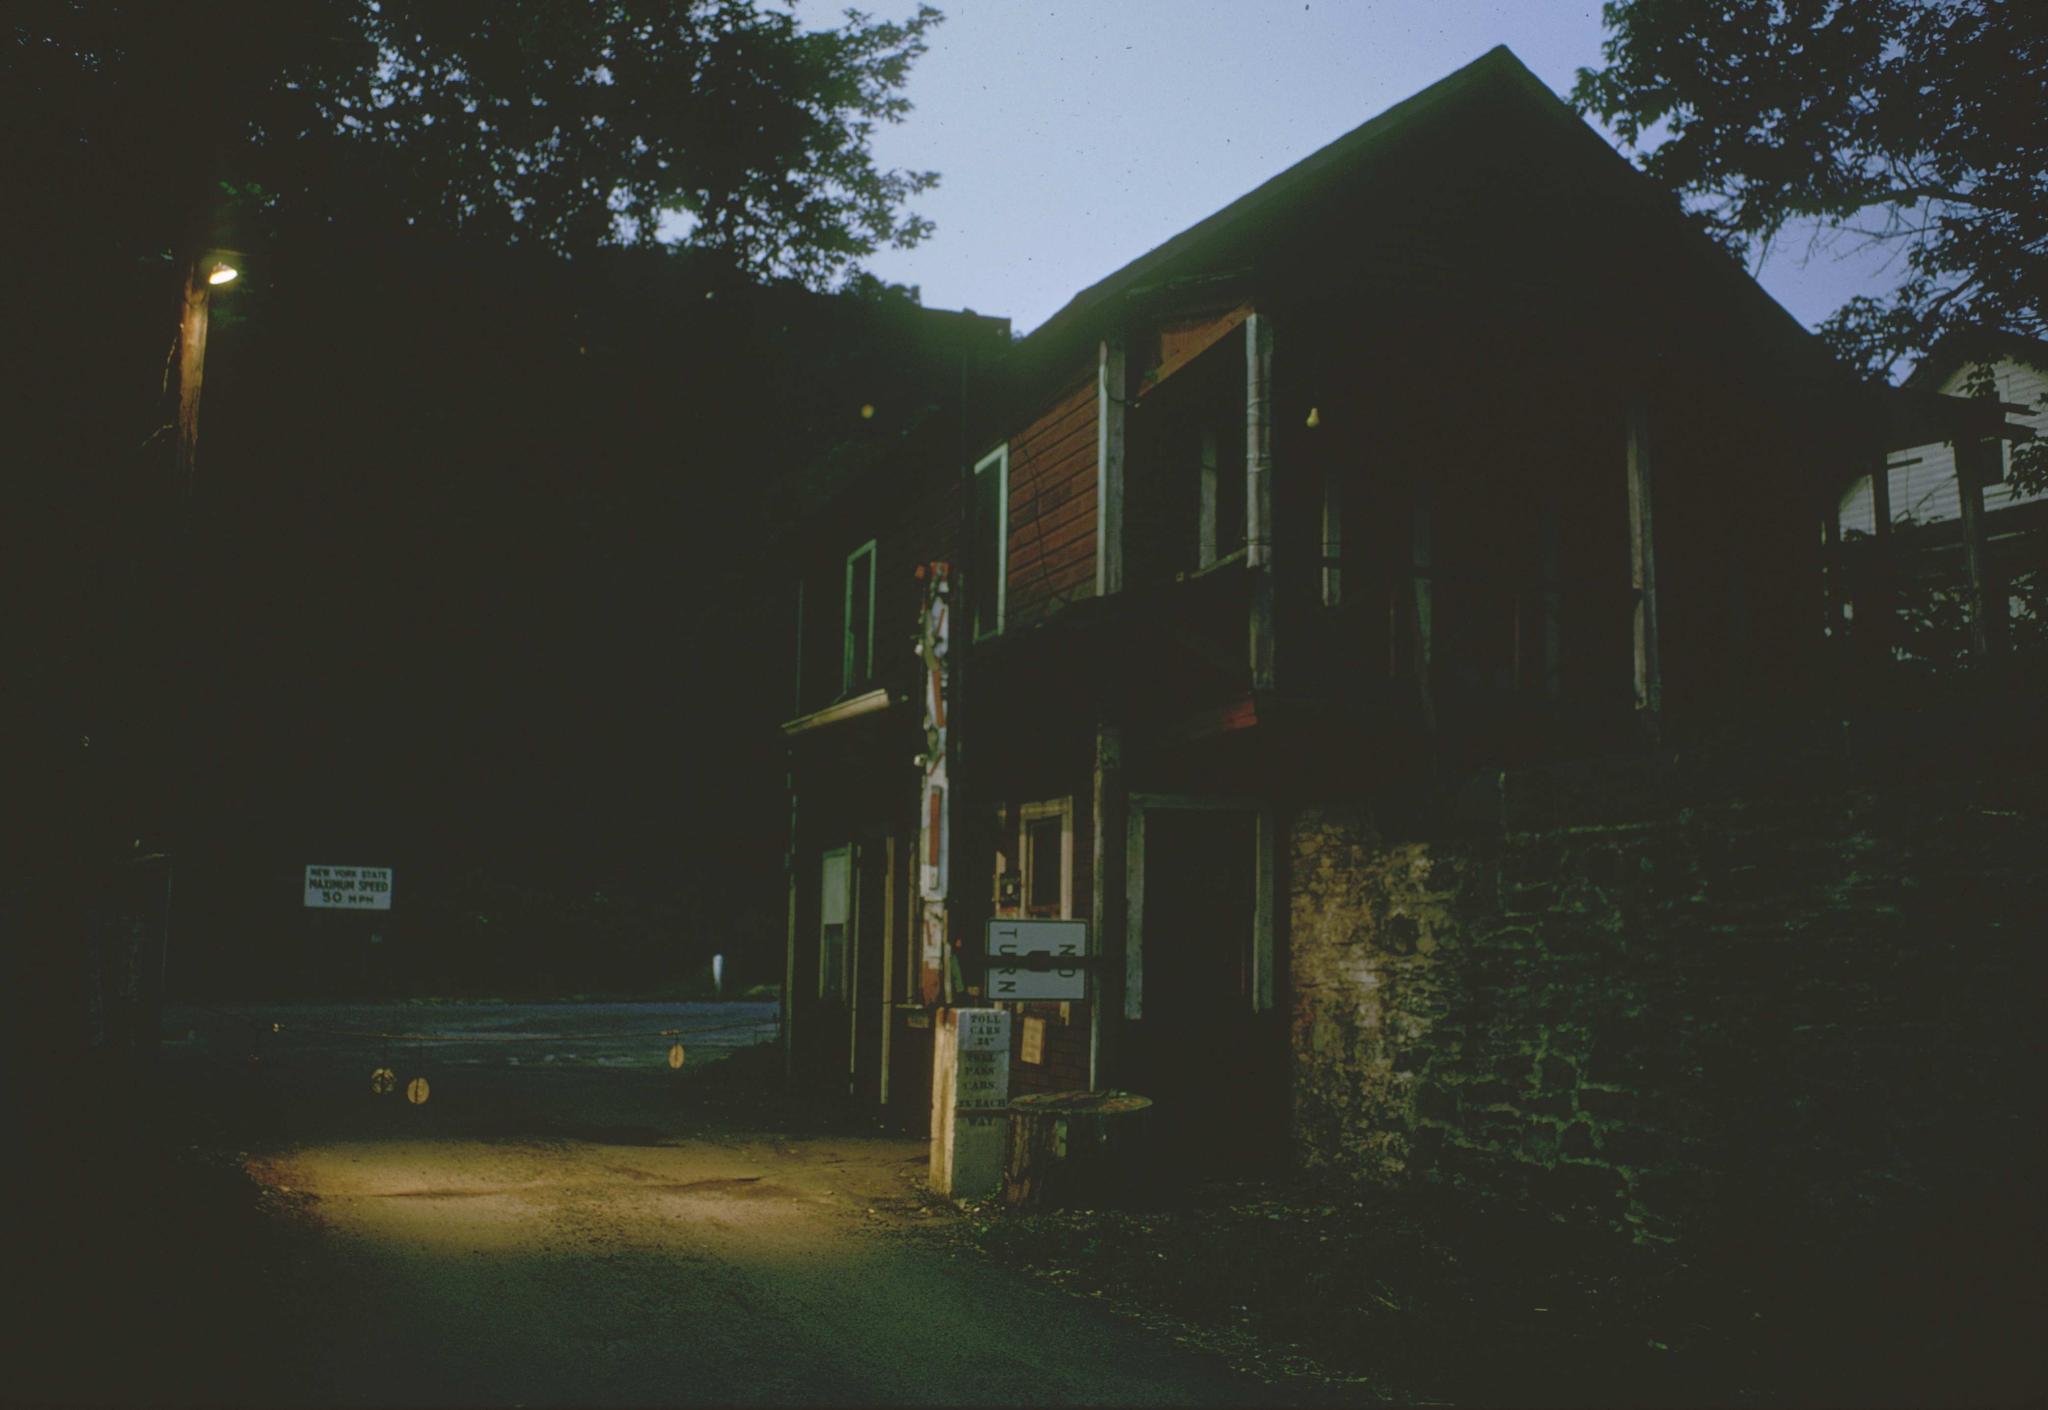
x=1027 y=814
x=866 y=674
x=1000 y=459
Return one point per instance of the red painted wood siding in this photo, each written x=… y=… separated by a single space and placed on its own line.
x=1052 y=509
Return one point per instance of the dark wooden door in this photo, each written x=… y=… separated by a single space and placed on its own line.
x=1202 y=1060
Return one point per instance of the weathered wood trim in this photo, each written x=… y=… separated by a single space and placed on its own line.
x=864 y=704
x=1028 y=813
x=1642 y=545
x=1258 y=491
x=1111 y=389
x=789 y=867
x=887 y=999
x=1207 y=337
x=847 y=673
x=1258 y=440
x=1108 y=899
x=852 y=963
x=999 y=460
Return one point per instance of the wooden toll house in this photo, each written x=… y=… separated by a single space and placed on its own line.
x=1451 y=448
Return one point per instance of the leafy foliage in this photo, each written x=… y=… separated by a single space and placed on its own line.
x=1916 y=124
x=559 y=123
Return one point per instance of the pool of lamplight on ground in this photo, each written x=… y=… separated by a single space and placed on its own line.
x=569 y=1219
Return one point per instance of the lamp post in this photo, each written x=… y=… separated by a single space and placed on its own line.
x=209 y=271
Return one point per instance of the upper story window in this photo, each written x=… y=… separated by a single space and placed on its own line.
x=988 y=543
x=1046 y=859
x=857 y=655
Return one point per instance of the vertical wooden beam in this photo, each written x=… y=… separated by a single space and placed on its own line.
x=1642 y=545
x=1258 y=441
x=1258 y=493
x=789 y=866
x=1112 y=389
x=1107 y=909
x=193 y=316
x=1265 y=890
x=888 y=996
x=1987 y=594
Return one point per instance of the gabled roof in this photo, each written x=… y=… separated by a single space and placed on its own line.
x=1957 y=350
x=1499 y=78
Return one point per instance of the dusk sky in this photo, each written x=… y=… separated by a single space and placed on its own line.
x=1072 y=137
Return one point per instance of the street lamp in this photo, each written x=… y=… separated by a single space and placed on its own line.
x=213 y=269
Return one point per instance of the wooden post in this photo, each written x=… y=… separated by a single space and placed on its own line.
x=1642 y=543
x=1107 y=911
x=1258 y=492
x=1205 y=501
x=888 y=994
x=789 y=866
x=1987 y=594
x=1333 y=537
x=194 y=308
x=1112 y=391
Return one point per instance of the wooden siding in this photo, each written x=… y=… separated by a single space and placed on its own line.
x=1923 y=479
x=1052 y=509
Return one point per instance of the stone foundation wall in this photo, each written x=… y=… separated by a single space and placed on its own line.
x=1647 y=994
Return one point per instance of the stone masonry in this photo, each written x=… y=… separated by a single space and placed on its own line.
x=1649 y=993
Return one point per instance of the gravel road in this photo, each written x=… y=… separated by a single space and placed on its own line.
x=568 y=1220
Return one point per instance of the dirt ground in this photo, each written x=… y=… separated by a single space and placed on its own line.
x=569 y=1220
x=566 y=1220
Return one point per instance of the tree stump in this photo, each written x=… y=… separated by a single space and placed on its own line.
x=1069 y=1149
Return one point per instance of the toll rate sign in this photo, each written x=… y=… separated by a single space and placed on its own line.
x=1037 y=959
x=348 y=888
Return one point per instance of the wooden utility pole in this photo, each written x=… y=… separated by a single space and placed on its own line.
x=193 y=309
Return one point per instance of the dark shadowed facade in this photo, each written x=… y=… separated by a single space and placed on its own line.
x=1450 y=456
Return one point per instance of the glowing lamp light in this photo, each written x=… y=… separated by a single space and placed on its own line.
x=223 y=273
x=1315 y=418
x=867 y=412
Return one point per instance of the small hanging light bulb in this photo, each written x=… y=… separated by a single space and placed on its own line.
x=1315 y=418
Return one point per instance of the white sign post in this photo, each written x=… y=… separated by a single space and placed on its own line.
x=348 y=888
x=1037 y=959
x=970 y=1101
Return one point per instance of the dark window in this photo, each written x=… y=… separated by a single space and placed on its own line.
x=1044 y=848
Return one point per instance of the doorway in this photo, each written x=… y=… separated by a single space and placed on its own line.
x=1199 y=1043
